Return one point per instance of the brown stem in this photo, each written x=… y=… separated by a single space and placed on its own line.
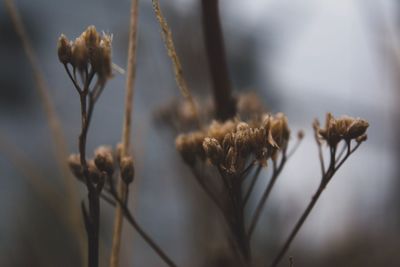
x=126 y=129
x=224 y=102
x=299 y=224
x=252 y=184
x=93 y=219
x=128 y=215
x=326 y=177
x=264 y=197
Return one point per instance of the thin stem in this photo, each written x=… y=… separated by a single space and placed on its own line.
x=128 y=215
x=126 y=130
x=252 y=184
x=326 y=177
x=224 y=103
x=320 y=154
x=298 y=225
x=178 y=71
x=264 y=197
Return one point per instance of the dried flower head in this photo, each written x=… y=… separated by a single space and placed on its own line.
x=127 y=169
x=103 y=158
x=213 y=150
x=342 y=128
x=89 y=49
x=231 y=143
x=64 y=49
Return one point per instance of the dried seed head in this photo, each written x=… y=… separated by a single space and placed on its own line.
x=64 y=49
x=74 y=164
x=103 y=159
x=279 y=131
x=230 y=160
x=213 y=150
x=242 y=126
x=80 y=54
x=357 y=128
x=127 y=169
x=91 y=37
x=88 y=48
x=190 y=146
x=362 y=138
x=104 y=69
x=343 y=128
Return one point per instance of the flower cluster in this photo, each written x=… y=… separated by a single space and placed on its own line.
x=343 y=128
x=89 y=49
x=102 y=166
x=230 y=144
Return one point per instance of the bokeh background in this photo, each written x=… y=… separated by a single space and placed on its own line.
x=302 y=57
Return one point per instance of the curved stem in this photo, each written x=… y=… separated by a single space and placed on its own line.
x=128 y=215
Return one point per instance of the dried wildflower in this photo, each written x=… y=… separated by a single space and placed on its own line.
x=279 y=130
x=103 y=159
x=89 y=49
x=343 y=128
x=80 y=54
x=213 y=150
x=232 y=143
x=127 y=169
x=190 y=146
x=64 y=49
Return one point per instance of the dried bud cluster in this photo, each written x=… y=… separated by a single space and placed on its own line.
x=344 y=128
x=102 y=166
x=230 y=144
x=88 y=49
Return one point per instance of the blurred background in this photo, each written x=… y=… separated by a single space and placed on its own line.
x=302 y=57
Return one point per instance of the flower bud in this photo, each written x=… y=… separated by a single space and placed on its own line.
x=80 y=54
x=357 y=128
x=64 y=49
x=104 y=160
x=127 y=169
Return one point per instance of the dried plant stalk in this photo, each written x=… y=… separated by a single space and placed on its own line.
x=126 y=130
x=60 y=147
x=169 y=43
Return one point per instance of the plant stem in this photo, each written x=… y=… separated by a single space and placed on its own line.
x=224 y=103
x=252 y=184
x=128 y=215
x=93 y=223
x=266 y=194
x=126 y=129
x=299 y=224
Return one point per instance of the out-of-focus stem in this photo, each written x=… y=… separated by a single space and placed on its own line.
x=224 y=103
x=126 y=130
